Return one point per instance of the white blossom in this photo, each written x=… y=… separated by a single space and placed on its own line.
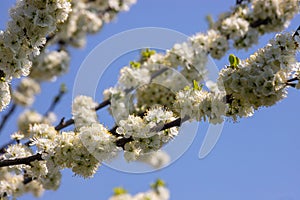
x=48 y=65
x=83 y=111
x=25 y=93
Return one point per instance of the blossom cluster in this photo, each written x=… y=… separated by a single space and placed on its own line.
x=83 y=111
x=88 y=17
x=243 y=87
x=161 y=95
x=247 y=22
x=13 y=185
x=25 y=35
x=82 y=150
x=156 y=159
x=50 y=64
x=30 y=117
x=25 y=93
x=239 y=28
x=201 y=105
x=120 y=103
x=258 y=81
x=145 y=132
x=158 y=192
x=261 y=79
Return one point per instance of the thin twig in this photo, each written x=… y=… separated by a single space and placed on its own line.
x=56 y=100
x=7 y=115
x=296 y=32
x=239 y=2
x=63 y=124
x=121 y=142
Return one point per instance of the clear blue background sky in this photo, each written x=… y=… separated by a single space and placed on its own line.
x=256 y=158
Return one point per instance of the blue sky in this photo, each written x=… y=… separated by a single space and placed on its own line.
x=255 y=158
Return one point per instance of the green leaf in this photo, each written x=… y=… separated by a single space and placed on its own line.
x=210 y=21
x=237 y=61
x=158 y=183
x=234 y=61
x=63 y=88
x=196 y=85
x=136 y=65
x=147 y=53
x=119 y=191
x=186 y=88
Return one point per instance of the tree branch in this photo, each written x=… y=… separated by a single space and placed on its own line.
x=56 y=99
x=120 y=142
x=292 y=79
x=239 y=2
x=20 y=161
x=7 y=115
x=62 y=124
x=296 y=32
x=258 y=23
x=105 y=103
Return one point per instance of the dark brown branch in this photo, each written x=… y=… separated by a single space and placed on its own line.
x=239 y=2
x=62 y=124
x=113 y=131
x=291 y=85
x=296 y=32
x=103 y=104
x=292 y=79
x=28 y=180
x=176 y=123
x=120 y=142
x=20 y=161
x=258 y=23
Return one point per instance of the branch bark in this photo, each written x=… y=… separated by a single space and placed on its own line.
x=20 y=161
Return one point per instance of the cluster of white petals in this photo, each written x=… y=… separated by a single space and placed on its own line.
x=88 y=17
x=132 y=78
x=64 y=150
x=50 y=64
x=26 y=34
x=156 y=159
x=120 y=103
x=30 y=117
x=12 y=184
x=145 y=132
x=261 y=79
x=258 y=81
x=4 y=94
x=278 y=13
x=25 y=93
x=157 y=192
x=147 y=97
x=83 y=111
x=240 y=28
x=99 y=142
x=201 y=105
